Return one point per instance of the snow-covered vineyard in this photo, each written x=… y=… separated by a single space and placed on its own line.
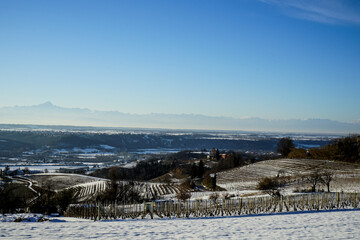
x=222 y=207
x=346 y=175
x=239 y=182
x=87 y=191
x=239 y=211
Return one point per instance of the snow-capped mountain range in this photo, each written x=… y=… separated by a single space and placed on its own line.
x=49 y=114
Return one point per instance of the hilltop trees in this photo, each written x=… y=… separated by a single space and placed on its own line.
x=347 y=149
x=143 y=171
x=232 y=160
x=343 y=149
x=284 y=146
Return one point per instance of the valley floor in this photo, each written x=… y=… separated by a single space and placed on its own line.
x=339 y=224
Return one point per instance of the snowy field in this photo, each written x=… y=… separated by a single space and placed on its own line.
x=343 y=224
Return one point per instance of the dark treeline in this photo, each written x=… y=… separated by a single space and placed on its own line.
x=232 y=160
x=16 y=142
x=143 y=171
x=15 y=197
x=344 y=149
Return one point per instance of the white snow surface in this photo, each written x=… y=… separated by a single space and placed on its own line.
x=341 y=224
x=129 y=165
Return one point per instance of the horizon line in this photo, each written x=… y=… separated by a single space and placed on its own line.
x=170 y=129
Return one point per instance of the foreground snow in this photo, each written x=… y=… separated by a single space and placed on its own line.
x=314 y=225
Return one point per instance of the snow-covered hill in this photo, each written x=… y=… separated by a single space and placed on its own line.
x=346 y=175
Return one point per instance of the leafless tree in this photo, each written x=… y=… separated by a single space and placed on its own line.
x=327 y=177
x=314 y=179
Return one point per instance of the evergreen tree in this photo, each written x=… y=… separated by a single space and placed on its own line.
x=217 y=154
x=201 y=169
x=284 y=146
x=193 y=171
x=213 y=181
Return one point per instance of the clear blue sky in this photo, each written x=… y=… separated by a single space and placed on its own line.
x=271 y=59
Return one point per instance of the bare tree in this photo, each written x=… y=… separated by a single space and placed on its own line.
x=314 y=179
x=327 y=177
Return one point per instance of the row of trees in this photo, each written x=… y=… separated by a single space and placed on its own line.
x=317 y=177
x=143 y=171
x=343 y=149
x=272 y=185
x=232 y=160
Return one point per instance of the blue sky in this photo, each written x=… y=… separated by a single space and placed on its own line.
x=271 y=59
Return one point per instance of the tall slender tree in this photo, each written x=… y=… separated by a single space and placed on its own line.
x=201 y=169
x=284 y=146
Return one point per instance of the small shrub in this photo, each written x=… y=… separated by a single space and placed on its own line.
x=297 y=153
x=226 y=196
x=214 y=197
x=183 y=195
x=269 y=186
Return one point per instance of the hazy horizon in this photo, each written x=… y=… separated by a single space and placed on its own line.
x=52 y=115
x=50 y=103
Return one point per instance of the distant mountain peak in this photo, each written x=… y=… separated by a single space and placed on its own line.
x=47 y=104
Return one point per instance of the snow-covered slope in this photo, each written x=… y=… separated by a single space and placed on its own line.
x=315 y=225
x=87 y=191
x=346 y=175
